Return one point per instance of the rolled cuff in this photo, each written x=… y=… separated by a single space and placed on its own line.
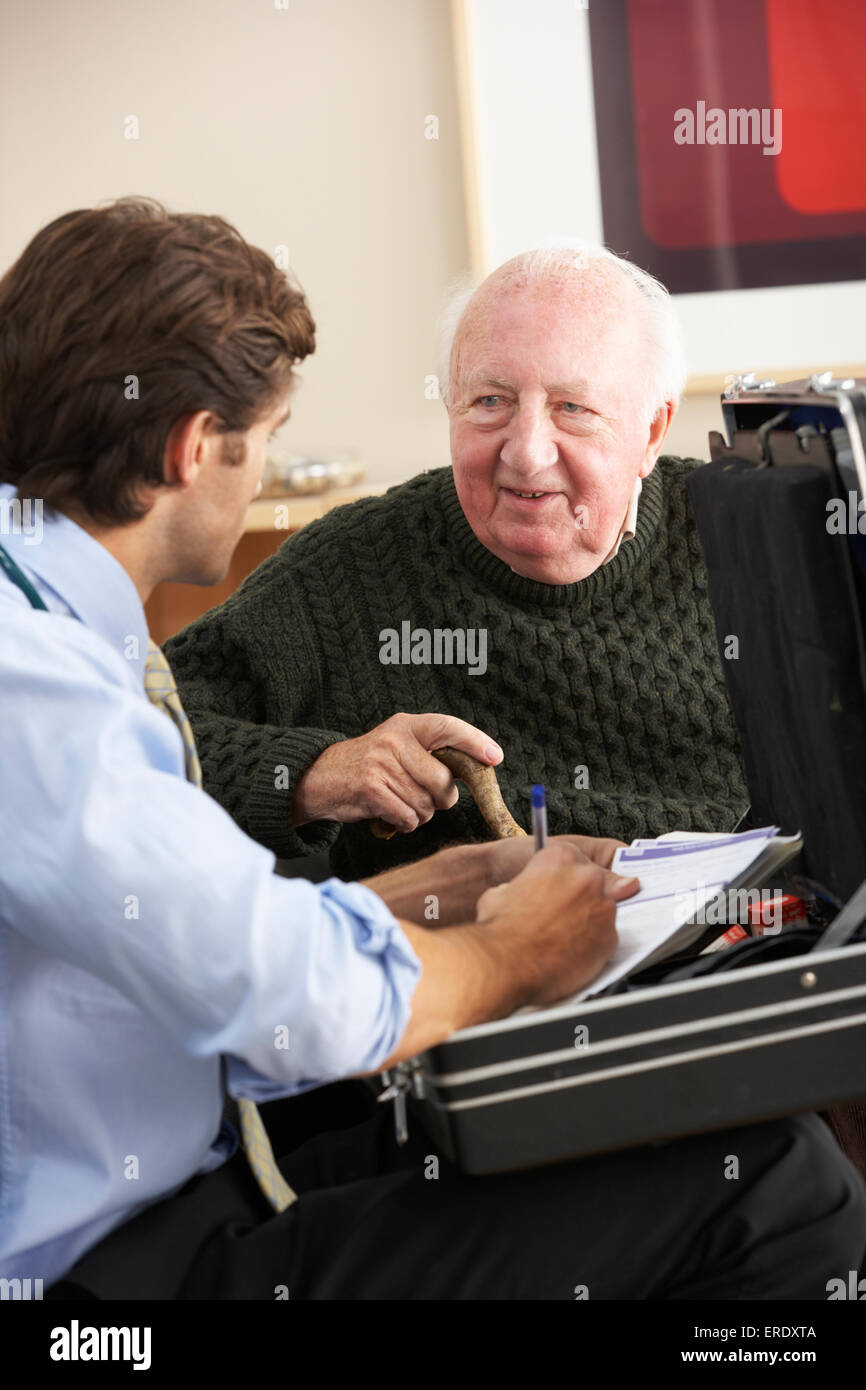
x=352 y=1005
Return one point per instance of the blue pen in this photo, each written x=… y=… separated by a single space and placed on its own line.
x=539 y=816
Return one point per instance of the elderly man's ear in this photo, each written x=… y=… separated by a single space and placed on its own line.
x=659 y=426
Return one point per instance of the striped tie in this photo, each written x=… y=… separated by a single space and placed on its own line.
x=159 y=684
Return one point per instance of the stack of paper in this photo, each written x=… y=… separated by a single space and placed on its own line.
x=680 y=874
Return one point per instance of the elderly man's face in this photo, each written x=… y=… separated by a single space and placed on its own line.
x=548 y=398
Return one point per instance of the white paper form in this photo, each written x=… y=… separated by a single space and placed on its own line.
x=677 y=878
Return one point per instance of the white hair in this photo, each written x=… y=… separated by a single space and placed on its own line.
x=666 y=357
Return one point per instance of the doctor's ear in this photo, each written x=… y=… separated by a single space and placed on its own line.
x=186 y=448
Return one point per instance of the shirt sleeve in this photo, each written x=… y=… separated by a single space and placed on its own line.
x=118 y=865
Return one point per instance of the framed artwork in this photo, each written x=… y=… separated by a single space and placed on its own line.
x=720 y=144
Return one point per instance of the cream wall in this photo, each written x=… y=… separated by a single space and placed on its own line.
x=304 y=126
x=698 y=414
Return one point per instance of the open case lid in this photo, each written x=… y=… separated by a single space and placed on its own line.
x=813 y=419
x=779 y=516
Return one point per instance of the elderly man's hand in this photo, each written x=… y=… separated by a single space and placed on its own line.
x=390 y=772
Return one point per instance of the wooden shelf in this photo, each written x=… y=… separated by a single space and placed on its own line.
x=172 y=606
x=290 y=513
x=713 y=383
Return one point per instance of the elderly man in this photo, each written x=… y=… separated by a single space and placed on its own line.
x=549 y=591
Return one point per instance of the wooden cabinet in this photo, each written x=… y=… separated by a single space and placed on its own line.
x=270 y=521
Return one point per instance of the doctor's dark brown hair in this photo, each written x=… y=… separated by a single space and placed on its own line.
x=176 y=301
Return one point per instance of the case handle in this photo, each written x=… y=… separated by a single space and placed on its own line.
x=845 y=923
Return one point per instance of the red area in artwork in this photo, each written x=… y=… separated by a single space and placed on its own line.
x=817 y=54
x=734 y=54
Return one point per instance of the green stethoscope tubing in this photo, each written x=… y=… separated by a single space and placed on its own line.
x=17 y=575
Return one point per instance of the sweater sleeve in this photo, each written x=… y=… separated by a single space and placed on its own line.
x=251 y=765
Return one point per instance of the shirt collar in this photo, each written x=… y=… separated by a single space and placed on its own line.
x=629 y=526
x=82 y=573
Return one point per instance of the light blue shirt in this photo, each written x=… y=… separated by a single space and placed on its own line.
x=147 y=949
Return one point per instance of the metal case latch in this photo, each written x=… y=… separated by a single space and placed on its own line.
x=405 y=1077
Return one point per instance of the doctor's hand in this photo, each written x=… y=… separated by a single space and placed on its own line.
x=506 y=858
x=445 y=888
x=536 y=939
x=556 y=920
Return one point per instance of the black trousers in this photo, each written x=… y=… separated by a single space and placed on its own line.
x=767 y=1211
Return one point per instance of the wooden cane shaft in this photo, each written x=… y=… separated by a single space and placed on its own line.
x=482 y=783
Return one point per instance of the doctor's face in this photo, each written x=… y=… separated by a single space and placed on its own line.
x=549 y=429
x=230 y=480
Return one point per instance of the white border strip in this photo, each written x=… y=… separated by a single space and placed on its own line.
x=623 y=1043
x=592 y=1007
x=655 y=1064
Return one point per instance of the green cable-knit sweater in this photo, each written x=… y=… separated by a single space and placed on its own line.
x=617 y=674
